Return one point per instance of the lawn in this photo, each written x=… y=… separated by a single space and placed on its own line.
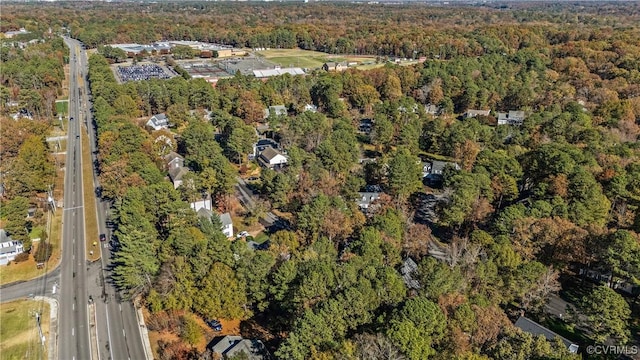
x=19 y=336
x=62 y=107
x=306 y=58
x=90 y=215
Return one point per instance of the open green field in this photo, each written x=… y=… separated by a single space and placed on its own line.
x=307 y=58
x=62 y=107
x=19 y=336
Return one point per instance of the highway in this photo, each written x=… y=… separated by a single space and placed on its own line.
x=76 y=280
x=73 y=327
x=118 y=333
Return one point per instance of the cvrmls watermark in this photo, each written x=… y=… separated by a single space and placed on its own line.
x=612 y=350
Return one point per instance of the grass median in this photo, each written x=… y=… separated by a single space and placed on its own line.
x=19 y=335
x=90 y=214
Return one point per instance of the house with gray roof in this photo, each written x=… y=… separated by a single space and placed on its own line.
x=515 y=118
x=176 y=168
x=233 y=345
x=407 y=271
x=277 y=110
x=471 y=113
x=271 y=158
x=535 y=329
x=9 y=248
x=365 y=199
x=158 y=121
x=227 y=224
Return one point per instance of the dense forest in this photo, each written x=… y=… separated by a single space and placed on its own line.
x=529 y=207
x=31 y=79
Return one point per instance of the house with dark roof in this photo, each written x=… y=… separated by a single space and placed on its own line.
x=271 y=158
x=432 y=172
x=158 y=121
x=9 y=248
x=233 y=345
x=262 y=144
x=535 y=329
x=515 y=118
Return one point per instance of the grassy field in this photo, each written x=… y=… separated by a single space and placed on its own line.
x=19 y=336
x=90 y=216
x=306 y=58
x=62 y=107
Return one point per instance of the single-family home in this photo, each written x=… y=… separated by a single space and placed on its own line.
x=535 y=329
x=10 y=34
x=436 y=167
x=201 y=204
x=262 y=144
x=432 y=109
x=158 y=121
x=407 y=270
x=271 y=158
x=277 y=110
x=471 y=113
x=334 y=66
x=310 y=107
x=515 y=118
x=225 y=220
x=227 y=224
x=9 y=248
x=173 y=160
x=231 y=346
x=366 y=198
x=176 y=168
x=365 y=126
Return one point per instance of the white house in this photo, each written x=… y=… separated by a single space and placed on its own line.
x=158 y=121
x=271 y=158
x=9 y=249
x=227 y=224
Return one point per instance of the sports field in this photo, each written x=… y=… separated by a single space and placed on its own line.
x=307 y=58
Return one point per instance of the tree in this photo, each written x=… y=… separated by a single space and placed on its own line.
x=417 y=328
x=405 y=174
x=622 y=255
x=33 y=169
x=607 y=315
x=230 y=298
x=191 y=331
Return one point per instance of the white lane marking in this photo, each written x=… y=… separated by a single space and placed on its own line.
x=120 y=306
x=74 y=306
x=73 y=208
x=109 y=333
x=123 y=334
x=73 y=331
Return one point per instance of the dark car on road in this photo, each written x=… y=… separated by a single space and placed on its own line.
x=215 y=325
x=103 y=237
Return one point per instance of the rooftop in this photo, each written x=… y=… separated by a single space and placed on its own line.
x=532 y=327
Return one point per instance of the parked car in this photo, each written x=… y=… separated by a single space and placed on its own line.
x=243 y=234
x=215 y=325
x=103 y=237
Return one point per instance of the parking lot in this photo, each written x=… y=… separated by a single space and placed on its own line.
x=140 y=72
